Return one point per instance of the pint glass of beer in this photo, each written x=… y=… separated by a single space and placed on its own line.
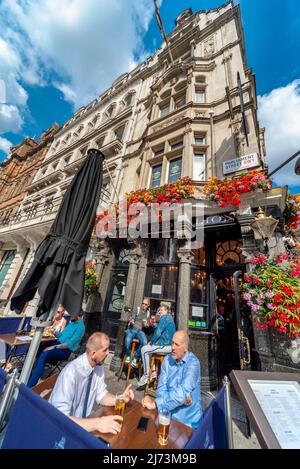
x=120 y=405
x=164 y=419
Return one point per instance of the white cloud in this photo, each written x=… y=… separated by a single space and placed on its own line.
x=279 y=112
x=84 y=44
x=5 y=145
x=10 y=119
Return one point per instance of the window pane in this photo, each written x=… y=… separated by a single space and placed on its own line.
x=161 y=282
x=119 y=133
x=199 y=140
x=158 y=151
x=199 y=167
x=156 y=176
x=179 y=102
x=175 y=170
x=200 y=97
x=176 y=145
x=164 y=110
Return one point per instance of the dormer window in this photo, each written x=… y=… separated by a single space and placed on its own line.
x=110 y=110
x=120 y=132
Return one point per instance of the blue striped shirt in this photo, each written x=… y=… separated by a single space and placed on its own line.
x=176 y=382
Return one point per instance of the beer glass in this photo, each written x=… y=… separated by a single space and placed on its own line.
x=164 y=419
x=120 y=405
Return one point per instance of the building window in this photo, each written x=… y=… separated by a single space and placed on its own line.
x=4 y=268
x=100 y=142
x=175 y=167
x=199 y=167
x=158 y=151
x=156 y=176
x=110 y=110
x=179 y=101
x=176 y=145
x=199 y=96
x=198 y=299
x=164 y=110
x=120 y=132
x=229 y=253
x=199 y=140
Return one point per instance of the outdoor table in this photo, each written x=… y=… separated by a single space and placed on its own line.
x=12 y=341
x=132 y=438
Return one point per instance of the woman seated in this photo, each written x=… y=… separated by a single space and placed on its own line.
x=59 y=322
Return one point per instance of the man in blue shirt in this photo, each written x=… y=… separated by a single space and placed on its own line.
x=178 y=390
x=160 y=342
x=67 y=341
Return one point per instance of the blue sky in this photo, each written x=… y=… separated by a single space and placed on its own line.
x=56 y=55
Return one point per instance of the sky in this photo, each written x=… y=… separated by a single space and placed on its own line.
x=57 y=55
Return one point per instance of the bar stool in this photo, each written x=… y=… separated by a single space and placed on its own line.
x=134 y=345
x=156 y=362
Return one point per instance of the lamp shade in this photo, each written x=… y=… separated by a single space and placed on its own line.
x=263 y=225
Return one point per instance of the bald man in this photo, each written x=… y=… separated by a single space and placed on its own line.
x=178 y=390
x=81 y=383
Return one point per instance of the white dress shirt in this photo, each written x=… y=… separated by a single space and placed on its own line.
x=69 y=392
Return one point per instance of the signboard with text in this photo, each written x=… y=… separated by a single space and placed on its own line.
x=271 y=401
x=240 y=163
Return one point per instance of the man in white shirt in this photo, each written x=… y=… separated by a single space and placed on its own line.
x=82 y=382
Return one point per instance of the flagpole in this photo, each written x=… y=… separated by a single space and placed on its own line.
x=162 y=30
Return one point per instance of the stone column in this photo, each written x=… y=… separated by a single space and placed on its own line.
x=134 y=258
x=142 y=271
x=249 y=243
x=185 y=256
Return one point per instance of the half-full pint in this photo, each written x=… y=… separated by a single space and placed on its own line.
x=164 y=420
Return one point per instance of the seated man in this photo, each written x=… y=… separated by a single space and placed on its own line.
x=160 y=343
x=82 y=382
x=178 y=390
x=67 y=341
x=138 y=328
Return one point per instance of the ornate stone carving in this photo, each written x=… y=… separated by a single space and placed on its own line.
x=209 y=46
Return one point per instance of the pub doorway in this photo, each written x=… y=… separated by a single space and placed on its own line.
x=228 y=258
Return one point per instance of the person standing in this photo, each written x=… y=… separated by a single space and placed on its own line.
x=178 y=390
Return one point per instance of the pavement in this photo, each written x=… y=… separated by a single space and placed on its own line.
x=240 y=438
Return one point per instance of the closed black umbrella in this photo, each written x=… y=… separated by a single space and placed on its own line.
x=58 y=269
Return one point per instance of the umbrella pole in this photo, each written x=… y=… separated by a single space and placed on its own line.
x=34 y=346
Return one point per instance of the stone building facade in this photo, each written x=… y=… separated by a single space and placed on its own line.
x=16 y=174
x=165 y=120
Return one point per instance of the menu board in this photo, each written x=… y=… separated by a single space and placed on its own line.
x=280 y=402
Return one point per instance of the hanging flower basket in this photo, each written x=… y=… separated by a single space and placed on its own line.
x=228 y=191
x=292 y=212
x=272 y=290
x=91 y=280
x=160 y=197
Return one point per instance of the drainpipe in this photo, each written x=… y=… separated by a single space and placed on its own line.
x=212 y=151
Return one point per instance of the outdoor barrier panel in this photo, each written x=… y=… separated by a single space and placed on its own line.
x=212 y=432
x=3 y=377
x=36 y=424
x=9 y=325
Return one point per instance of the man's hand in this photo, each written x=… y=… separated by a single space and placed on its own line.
x=148 y=403
x=131 y=322
x=128 y=394
x=188 y=401
x=108 y=424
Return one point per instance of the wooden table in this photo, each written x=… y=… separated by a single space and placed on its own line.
x=132 y=438
x=12 y=341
